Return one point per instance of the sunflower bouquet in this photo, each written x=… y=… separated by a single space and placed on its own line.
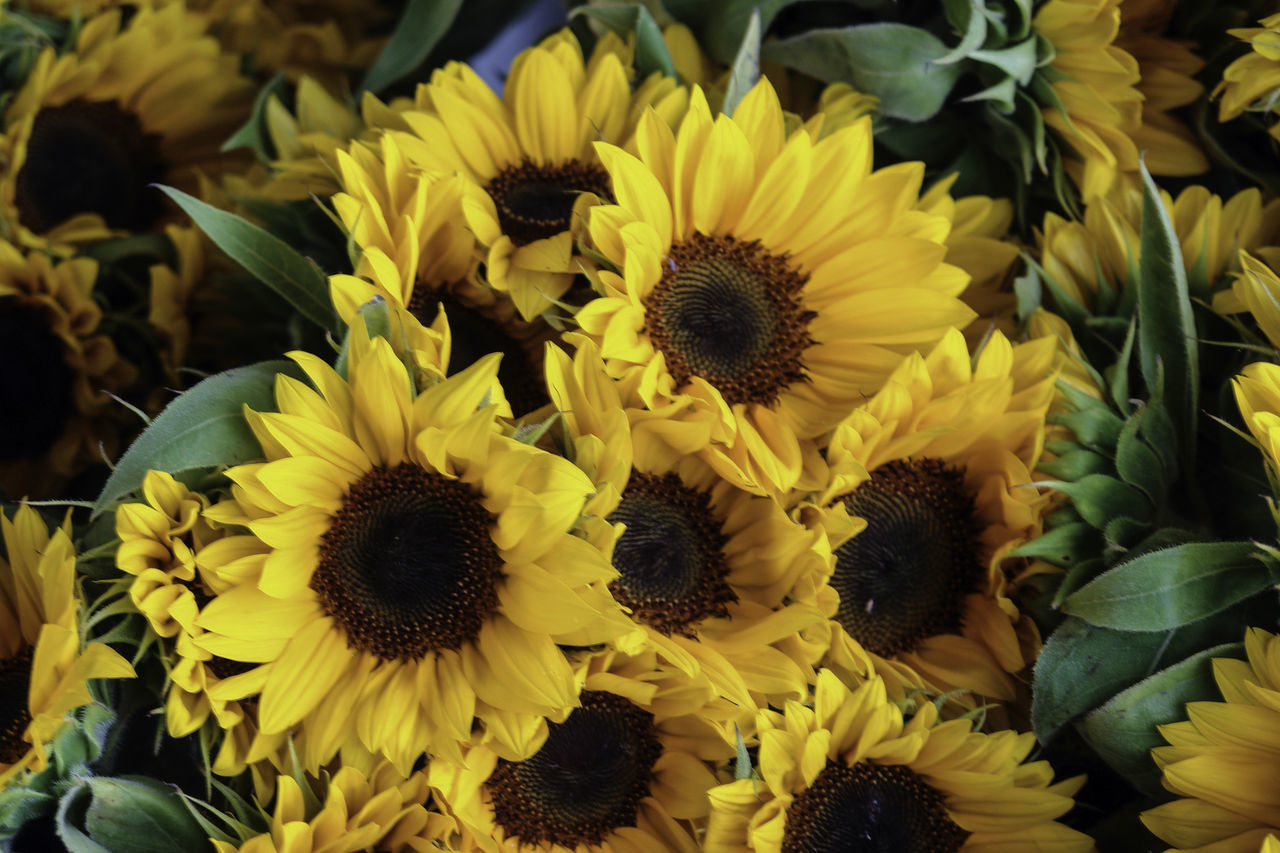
x=803 y=427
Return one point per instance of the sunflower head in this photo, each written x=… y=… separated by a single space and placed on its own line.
x=1249 y=83
x=1257 y=391
x=761 y=283
x=413 y=549
x=1224 y=801
x=44 y=665
x=937 y=469
x=850 y=773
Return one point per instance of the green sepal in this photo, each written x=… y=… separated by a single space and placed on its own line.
x=420 y=28
x=1062 y=546
x=967 y=18
x=742 y=759
x=271 y=260
x=1138 y=464
x=1122 y=731
x=202 y=428
x=137 y=814
x=1117 y=374
x=1172 y=587
x=1019 y=60
x=894 y=62
x=376 y=315
x=745 y=70
x=1099 y=498
x=1097 y=428
x=1076 y=464
x=253 y=133
x=1121 y=534
x=651 y=49
x=1078 y=575
x=1167 y=349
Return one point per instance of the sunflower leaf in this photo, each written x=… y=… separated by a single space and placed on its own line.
x=1172 y=587
x=1123 y=730
x=253 y=133
x=271 y=260
x=1166 y=329
x=203 y=427
x=746 y=66
x=138 y=813
x=420 y=28
x=625 y=18
x=894 y=62
x=71 y=810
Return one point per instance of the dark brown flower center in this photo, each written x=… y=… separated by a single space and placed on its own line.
x=37 y=389
x=15 y=711
x=535 y=202
x=870 y=808
x=474 y=336
x=407 y=565
x=586 y=781
x=671 y=556
x=904 y=577
x=90 y=157
x=730 y=312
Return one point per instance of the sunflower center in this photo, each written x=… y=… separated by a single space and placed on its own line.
x=730 y=312
x=15 y=714
x=37 y=394
x=587 y=779
x=870 y=808
x=535 y=202
x=407 y=566
x=474 y=336
x=904 y=577
x=671 y=556
x=89 y=157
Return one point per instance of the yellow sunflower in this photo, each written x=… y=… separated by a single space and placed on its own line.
x=1211 y=232
x=417 y=253
x=57 y=419
x=625 y=772
x=45 y=665
x=528 y=156
x=421 y=568
x=703 y=566
x=1250 y=82
x=1256 y=290
x=1112 y=105
x=849 y=773
x=1257 y=391
x=767 y=284
x=376 y=810
x=1222 y=761
x=939 y=465
x=136 y=103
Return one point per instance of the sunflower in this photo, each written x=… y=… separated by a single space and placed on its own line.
x=768 y=283
x=1222 y=760
x=1099 y=251
x=848 y=773
x=44 y=664
x=1257 y=391
x=1249 y=83
x=1256 y=290
x=172 y=292
x=136 y=103
x=939 y=466
x=624 y=772
x=376 y=810
x=703 y=566
x=417 y=254
x=421 y=568
x=527 y=157
x=57 y=421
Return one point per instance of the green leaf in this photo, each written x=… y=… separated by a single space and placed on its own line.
x=139 y=814
x=720 y=24
x=623 y=18
x=201 y=428
x=1139 y=465
x=745 y=70
x=270 y=259
x=1099 y=498
x=420 y=28
x=1166 y=328
x=1172 y=587
x=894 y=62
x=1081 y=666
x=1123 y=730
x=70 y=818
x=253 y=133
